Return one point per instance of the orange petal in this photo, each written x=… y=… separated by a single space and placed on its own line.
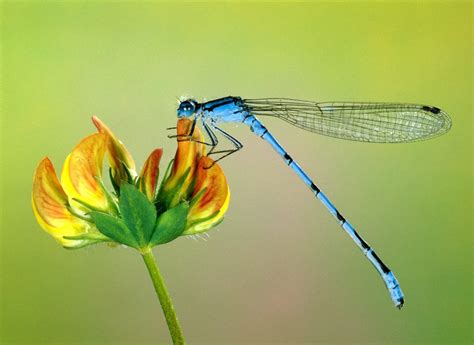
x=187 y=156
x=116 y=153
x=213 y=204
x=48 y=195
x=49 y=205
x=82 y=168
x=149 y=174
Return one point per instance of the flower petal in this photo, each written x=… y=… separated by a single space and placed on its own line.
x=49 y=206
x=149 y=175
x=186 y=159
x=117 y=154
x=211 y=206
x=82 y=170
x=48 y=196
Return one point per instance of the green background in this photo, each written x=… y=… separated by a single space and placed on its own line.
x=279 y=268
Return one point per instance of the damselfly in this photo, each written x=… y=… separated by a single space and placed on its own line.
x=369 y=122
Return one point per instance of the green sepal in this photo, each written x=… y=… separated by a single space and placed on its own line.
x=117 y=178
x=87 y=239
x=127 y=172
x=93 y=236
x=170 y=224
x=111 y=201
x=197 y=197
x=141 y=183
x=159 y=201
x=86 y=205
x=77 y=214
x=137 y=212
x=191 y=187
x=114 y=184
x=114 y=228
x=165 y=177
x=191 y=225
x=170 y=198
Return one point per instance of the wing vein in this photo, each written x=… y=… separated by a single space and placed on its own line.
x=370 y=122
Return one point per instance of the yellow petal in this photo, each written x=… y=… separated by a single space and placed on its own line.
x=116 y=153
x=49 y=205
x=149 y=174
x=186 y=157
x=83 y=168
x=213 y=203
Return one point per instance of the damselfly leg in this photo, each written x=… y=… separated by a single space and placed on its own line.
x=189 y=136
x=213 y=140
x=237 y=145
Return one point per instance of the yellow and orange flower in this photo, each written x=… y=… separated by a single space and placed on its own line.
x=63 y=208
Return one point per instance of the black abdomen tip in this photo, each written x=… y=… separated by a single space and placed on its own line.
x=401 y=302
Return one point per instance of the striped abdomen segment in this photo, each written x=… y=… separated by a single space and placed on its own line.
x=388 y=277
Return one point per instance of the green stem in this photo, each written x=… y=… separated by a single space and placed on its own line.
x=164 y=298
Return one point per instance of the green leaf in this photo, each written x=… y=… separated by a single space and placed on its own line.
x=114 y=228
x=170 y=225
x=138 y=213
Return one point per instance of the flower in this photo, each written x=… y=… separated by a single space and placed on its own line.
x=190 y=179
x=192 y=197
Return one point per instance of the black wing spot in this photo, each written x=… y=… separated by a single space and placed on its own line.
x=433 y=110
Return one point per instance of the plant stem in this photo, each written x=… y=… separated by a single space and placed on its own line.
x=164 y=298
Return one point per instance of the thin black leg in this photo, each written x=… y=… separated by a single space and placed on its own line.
x=189 y=136
x=237 y=144
x=212 y=136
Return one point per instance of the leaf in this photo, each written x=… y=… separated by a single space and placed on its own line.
x=170 y=225
x=138 y=213
x=114 y=228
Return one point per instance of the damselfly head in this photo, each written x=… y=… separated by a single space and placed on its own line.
x=187 y=108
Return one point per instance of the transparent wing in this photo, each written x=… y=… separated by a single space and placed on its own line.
x=370 y=122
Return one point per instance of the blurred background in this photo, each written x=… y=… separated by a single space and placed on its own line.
x=279 y=268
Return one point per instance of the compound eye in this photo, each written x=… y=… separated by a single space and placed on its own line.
x=187 y=106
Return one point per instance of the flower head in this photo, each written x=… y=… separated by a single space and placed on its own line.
x=140 y=212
